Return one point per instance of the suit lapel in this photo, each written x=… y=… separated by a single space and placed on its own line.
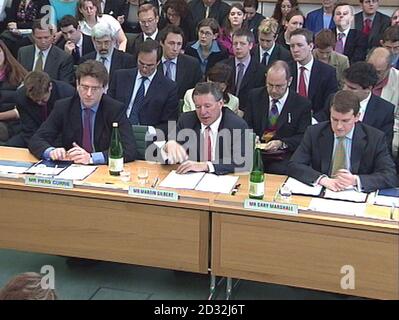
x=283 y=117
x=264 y=109
x=99 y=124
x=51 y=58
x=358 y=146
x=248 y=74
x=131 y=82
x=326 y=145
x=314 y=79
x=371 y=112
x=76 y=121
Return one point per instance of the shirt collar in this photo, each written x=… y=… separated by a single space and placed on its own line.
x=349 y=135
x=153 y=36
x=80 y=42
x=268 y=51
x=45 y=52
x=344 y=32
x=281 y=101
x=139 y=76
x=214 y=126
x=108 y=56
x=93 y=108
x=244 y=61
x=163 y=59
x=368 y=17
x=308 y=66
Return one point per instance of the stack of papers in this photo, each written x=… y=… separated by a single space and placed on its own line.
x=76 y=172
x=338 y=207
x=14 y=166
x=348 y=195
x=298 y=187
x=48 y=167
x=387 y=197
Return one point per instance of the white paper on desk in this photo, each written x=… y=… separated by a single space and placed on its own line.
x=76 y=172
x=337 y=207
x=386 y=201
x=298 y=187
x=14 y=166
x=214 y=183
x=12 y=169
x=182 y=181
x=349 y=195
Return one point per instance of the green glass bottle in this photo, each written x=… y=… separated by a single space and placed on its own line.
x=115 y=154
x=256 y=177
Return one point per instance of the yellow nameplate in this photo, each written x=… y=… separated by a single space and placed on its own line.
x=272 y=207
x=48 y=182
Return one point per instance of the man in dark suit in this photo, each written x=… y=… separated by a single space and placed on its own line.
x=344 y=153
x=148 y=96
x=178 y=67
x=84 y=122
x=311 y=78
x=248 y=73
x=43 y=56
x=114 y=8
x=216 y=9
x=350 y=42
x=214 y=138
x=105 y=52
x=371 y=22
x=278 y=116
x=35 y=101
x=268 y=51
x=360 y=78
x=74 y=42
x=148 y=19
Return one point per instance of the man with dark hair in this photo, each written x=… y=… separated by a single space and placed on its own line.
x=252 y=17
x=43 y=56
x=180 y=68
x=201 y=9
x=35 y=101
x=390 y=41
x=74 y=42
x=360 y=78
x=148 y=96
x=248 y=73
x=279 y=116
x=84 y=122
x=214 y=137
x=371 y=22
x=344 y=153
x=312 y=79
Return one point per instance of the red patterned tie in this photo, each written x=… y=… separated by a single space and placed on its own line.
x=302 y=86
x=207 y=144
x=366 y=27
x=86 y=139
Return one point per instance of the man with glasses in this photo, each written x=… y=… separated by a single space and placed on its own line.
x=106 y=53
x=79 y=128
x=371 y=22
x=149 y=97
x=279 y=116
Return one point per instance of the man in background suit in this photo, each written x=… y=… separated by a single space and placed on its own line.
x=248 y=73
x=321 y=18
x=279 y=116
x=390 y=41
x=371 y=22
x=114 y=8
x=344 y=153
x=311 y=78
x=74 y=42
x=215 y=137
x=148 y=96
x=112 y=58
x=180 y=68
x=84 y=123
x=43 y=56
x=268 y=51
x=35 y=101
x=201 y=9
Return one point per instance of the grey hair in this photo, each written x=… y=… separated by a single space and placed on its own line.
x=101 y=30
x=208 y=87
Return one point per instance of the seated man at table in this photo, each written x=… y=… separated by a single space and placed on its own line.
x=344 y=153
x=84 y=122
x=213 y=136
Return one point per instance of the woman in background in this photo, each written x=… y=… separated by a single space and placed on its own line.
x=294 y=20
x=282 y=8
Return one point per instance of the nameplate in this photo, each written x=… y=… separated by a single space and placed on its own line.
x=149 y=193
x=48 y=182
x=272 y=207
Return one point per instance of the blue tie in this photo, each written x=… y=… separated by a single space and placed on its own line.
x=138 y=103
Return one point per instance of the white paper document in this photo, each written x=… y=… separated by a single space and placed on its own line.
x=298 y=187
x=386 y=201
x=349 y=195
x=337 y=207
x=181 y=181
x=14 y=166
x=214 y=183
x=76 y=172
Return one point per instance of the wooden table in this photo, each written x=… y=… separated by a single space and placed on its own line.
x=307 y=250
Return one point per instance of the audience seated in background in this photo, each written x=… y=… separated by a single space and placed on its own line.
x=343 y=152
x=390 y=41
x=321 y=18
x=294 y=20
x=395 y=18
x=281 y=10
x=27 y=286
x=252 y=17
x=201 y=9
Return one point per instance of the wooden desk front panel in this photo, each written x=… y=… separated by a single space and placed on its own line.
x=305 y=255
x=166 y=237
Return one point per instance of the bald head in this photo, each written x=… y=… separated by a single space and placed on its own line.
x=381 y=59
x=278 y=79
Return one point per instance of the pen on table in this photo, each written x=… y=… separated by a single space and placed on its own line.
x=235 y=189
x=155 y=182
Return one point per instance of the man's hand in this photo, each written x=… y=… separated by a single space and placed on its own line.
x=273 y=145
x=58 y=154
x=78 y=155
x=69 y=47
x=175 y=152
x=189 y=165
x=330 y=184
x=346 y=179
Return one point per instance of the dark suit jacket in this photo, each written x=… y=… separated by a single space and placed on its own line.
x=314 y=21
x=224 y=163
x=219 y=11
x=87 y=45
x=30 y=111
x=213 y=58
x=160 y=103
x=133 y=48
x=355 y=45
x=66 y=121
x=322 y=83
x=119 y=60
x=11 y=13
x=188 y=73
x=254 y=77
x=380 y=23
x=379 y=114
x=254 y=23
x=370 y=158
x=7 y=96
x=115 y=7
x=292 y=122
x=59 y=64
x=278 y=53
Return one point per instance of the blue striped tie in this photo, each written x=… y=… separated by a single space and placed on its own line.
x=138 y=103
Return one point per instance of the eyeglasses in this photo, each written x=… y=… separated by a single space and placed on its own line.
x=205 y=33
x=145 y=22
x=85 y=88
